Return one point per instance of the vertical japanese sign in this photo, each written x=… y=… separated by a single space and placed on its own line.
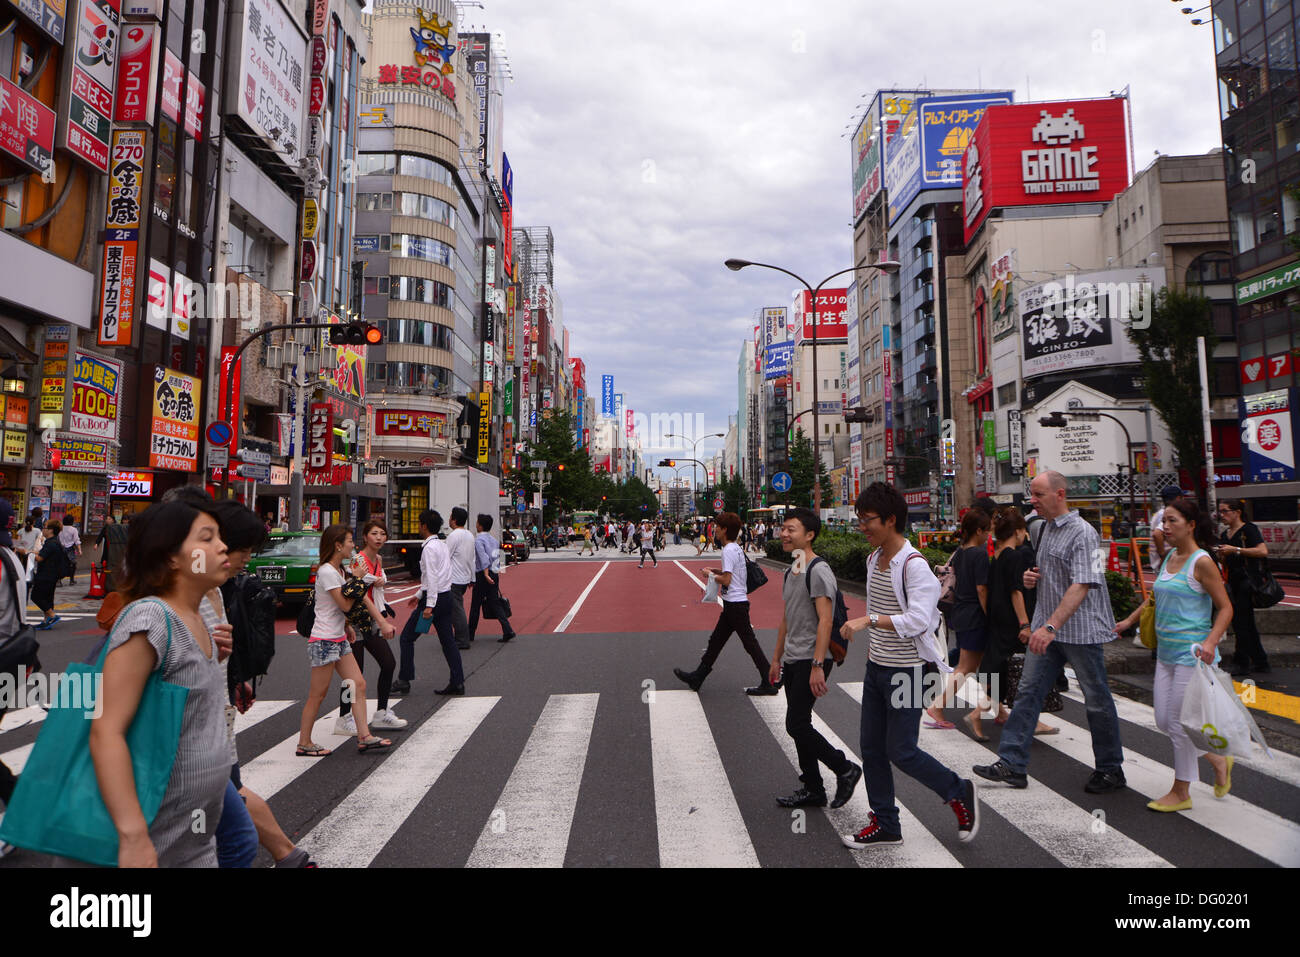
x=96 y=382
x=510 y=398
x=629 y=424
x=92 y=77
x=607 y=396
x=320 y=445
x=54 y=367
x=1016 y=435
x=484 y=425
x=122 y=242
x=510 y=321
x=226 y=405
x=174 y=437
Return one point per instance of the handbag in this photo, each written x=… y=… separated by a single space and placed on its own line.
x=503 y=606
x=1147 y=626
x=947 y=588
x=1052 y=702
x=1265 y=592
x=57 y=808
x=307 y=615
x=755 y=577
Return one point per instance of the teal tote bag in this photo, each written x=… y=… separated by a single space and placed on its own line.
x=56 y=807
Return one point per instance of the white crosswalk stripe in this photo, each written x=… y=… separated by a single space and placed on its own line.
x=697 y=817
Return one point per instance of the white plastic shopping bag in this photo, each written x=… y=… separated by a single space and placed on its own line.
x=1214 y=717
x=710 y=591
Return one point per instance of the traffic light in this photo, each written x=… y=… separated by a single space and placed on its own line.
x=859 y=415
x=355 y=334
x=560 y=467
x=668 y=463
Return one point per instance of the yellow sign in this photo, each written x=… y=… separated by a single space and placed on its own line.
x=15 y=447
x=310 y=216
x=484 y=425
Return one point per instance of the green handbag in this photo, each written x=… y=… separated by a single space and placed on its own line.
x=56 y=807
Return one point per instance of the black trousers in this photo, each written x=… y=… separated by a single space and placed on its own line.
x=735 y=619
x=648 y=550
x=812 y=748
x=8 y=781
x=1249 y=649
x=378 y=646
x=486 y=592
x=458 y=612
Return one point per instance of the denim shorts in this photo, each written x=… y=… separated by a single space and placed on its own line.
x=327 y=652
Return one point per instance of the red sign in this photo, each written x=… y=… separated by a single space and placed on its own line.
x=308 y=260
x=318 y=56
x=319 y=469
x=317 y=103
x=26 y=127
x=227 y=413
x=917 y=498
x=1038 y=154
x=411 y=423
x=173 y=78
x=832 y=316
x=320 y=18
x=1279 y=366
x=137 y=65
x=1253 y=370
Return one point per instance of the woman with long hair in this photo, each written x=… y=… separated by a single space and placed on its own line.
x=329 y=646
x=174 y=557
x=969 y=618
x=1192 y=613
x=1242 y=547
x=374 y=631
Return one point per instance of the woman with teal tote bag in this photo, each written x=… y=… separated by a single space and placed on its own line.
x=142 y=784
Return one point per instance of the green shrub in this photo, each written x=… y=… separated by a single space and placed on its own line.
x=1123 y=596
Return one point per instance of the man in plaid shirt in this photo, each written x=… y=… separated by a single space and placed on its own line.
x=1072 y=620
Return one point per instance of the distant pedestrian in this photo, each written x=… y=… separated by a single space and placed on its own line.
x=487 y=580
x=112 y=543
x=587 y=545
x=50 y=567
x=70 y=539
x=1242 y=551
x=647 y=545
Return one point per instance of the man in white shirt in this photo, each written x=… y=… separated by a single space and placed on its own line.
x=647 y=544
x=70 y=539
x=460 y=545
x=434 y=601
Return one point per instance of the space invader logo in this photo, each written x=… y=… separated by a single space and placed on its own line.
x=1057 y=130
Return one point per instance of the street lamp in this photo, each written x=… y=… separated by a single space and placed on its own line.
x=886 y=266
x=695 y=478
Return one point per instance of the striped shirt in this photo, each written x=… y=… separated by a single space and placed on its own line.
x=1070 y=553
x=887 y=648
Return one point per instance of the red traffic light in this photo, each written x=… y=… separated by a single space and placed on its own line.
x=373 y=335
x=355 y=334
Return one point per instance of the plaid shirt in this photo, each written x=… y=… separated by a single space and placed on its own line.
x=1070 y=553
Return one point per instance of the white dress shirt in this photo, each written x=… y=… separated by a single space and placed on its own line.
x=435 y=568
x=460 y=545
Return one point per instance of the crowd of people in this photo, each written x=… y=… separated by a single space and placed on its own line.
x=628 y=536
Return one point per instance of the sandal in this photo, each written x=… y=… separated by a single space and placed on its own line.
x=940 y=725
x=373 y=743
x=311 y=751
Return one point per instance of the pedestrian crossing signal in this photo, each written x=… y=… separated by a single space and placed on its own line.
x=356 y=334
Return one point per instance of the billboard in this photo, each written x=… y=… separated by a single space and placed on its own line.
x=91 y=78
x=121 y=245
x=832 y=316
x=778 y=360
x=1268 y=435
x=887 y=112
x=26 y=127
x=903 y=167
x=174 y=436
x=96 y=382
x=775 y=328
x=319 y=467
x=947 y=125
x=1039 y=154
x=270 y=67
x=607 y=396
x=1081 y=321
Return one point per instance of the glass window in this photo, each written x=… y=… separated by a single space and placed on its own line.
x=421 y=247
x=1266 y=218
x=424 y=168
x=374 y=202
x=1249 y=13
x=1290 y=212
x=1243 y=226
x=427 y=207
x=368 y=163
x=428 y=291
x=1225 y=27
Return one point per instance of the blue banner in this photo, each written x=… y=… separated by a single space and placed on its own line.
x=607 y=395
x=778 y=359
x=580 y=396
x=947 y=125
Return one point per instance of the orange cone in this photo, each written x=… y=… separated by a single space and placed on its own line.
x=96 y=583
x=1112 y=562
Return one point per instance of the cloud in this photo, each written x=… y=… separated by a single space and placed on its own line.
x=656 y=140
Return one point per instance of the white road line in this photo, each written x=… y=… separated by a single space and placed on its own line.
x=277 y=767
x=1281 y=767
x=699 y=822
x=1268 y=835
x=1054 y=823
x=22 y=717
x=16 y=759
x=568 y=619
x=365 y=821
x=703 y=585
x=529 y=827
x=921 y=848
x=259 y=712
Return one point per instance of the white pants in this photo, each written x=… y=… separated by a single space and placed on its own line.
x=1171 y=685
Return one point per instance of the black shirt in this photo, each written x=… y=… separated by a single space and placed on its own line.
x=1248 y=536
x=972 y=567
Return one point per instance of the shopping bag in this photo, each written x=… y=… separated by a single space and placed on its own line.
x=1214 y=717
x=1147 y=626
x=57 y=808
x=710 y=590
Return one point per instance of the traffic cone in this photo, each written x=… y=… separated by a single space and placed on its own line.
x=1112 y=562
x=97 y=582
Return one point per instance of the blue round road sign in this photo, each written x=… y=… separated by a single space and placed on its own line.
x=219 y=433
x=781 y=481
x=520 y=507
x=718 y=503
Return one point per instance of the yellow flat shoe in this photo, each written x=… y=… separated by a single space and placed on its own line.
x=1222 y=790
x=1181 y=806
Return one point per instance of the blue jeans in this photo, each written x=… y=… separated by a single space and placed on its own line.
x=1039 y=675
x=236 y=835
x=890 y=725
x=442 y=623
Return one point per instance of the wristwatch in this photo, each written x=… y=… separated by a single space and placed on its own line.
x=1024 y=625
x=873 y=620
x=1050 y=628
x=816 y=663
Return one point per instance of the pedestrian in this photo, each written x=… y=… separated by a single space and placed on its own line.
x=1242 y=550
x=677 y=533
x=487 y=580
x=1072 y=620
x=800 y=661
x=969 y=617
x=174 y=558
x=434 y=603
x=699 y=540
x=28 y=539
x=375 y=635
x=70 y=539
x=1156 y=553
x=13 y=609
x=50 y=567
x=460 y=549
x=733 y=580
x=586 y=541
x=329 y=646
x=647 y=545
x=112 y=541
x=902 y=615
x=1192 y=614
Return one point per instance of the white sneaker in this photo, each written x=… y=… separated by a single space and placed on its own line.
x=387 y=721
x=346 y=725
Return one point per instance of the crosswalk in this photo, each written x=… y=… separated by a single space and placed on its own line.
x=706 y=806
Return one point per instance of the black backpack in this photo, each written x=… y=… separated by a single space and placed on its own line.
x=839 y=648
x=250 y=606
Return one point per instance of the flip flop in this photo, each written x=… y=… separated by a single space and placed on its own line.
x=373 y=743
x=311 y=751
x=939 y=725
x=1042 y=734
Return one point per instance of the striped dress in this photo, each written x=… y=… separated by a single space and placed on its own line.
x=1184 y=612
x=886 y=648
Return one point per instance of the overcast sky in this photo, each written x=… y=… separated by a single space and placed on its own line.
x=657 y=140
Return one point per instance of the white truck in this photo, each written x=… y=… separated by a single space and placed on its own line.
x=412 y=490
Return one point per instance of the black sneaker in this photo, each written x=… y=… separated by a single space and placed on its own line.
x=452 y=690
x=845 y=783
x=1001 y=771
x=870 y=836
x=693 y=680
x=400 y=687
x=1103 y=782
x=803 y=798
x=766 y=688
x=967 y=809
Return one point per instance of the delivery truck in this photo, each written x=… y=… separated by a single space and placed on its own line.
x=412 y=490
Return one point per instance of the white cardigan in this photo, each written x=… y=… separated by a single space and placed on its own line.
x=919 y=601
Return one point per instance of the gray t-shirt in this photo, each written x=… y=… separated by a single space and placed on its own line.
x=801 y=610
